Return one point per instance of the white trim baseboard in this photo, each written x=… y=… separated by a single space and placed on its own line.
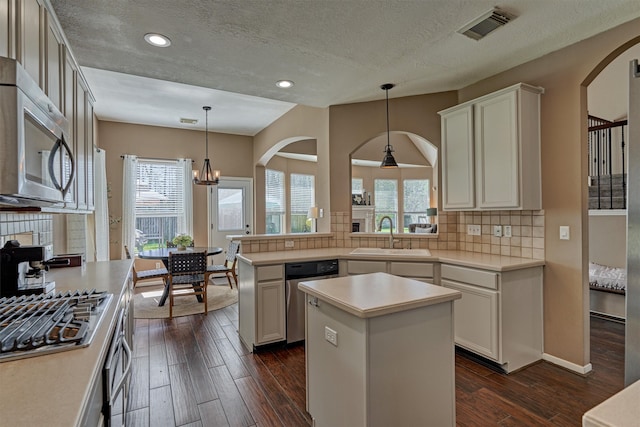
x=583 y=370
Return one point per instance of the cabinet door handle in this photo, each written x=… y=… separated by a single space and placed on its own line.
x=314 y=302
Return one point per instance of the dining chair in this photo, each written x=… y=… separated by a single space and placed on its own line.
x=153 y=274
x=188 y=276
x=229 y=266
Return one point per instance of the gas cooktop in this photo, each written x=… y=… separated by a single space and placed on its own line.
x=35 y=325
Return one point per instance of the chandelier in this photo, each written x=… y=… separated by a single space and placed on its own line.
x=207 y=175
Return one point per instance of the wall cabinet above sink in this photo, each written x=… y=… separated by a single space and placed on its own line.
x=491 y=151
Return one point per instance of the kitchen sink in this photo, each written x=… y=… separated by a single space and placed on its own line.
x=396 y=252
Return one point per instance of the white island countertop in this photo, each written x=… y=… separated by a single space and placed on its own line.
x=377 y=294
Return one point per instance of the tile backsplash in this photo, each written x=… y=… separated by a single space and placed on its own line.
x=14 y=224
x=526 y=241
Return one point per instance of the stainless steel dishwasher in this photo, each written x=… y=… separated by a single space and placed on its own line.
x=295 y=299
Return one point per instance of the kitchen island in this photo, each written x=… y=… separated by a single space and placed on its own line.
x=379 y=351
x=55 y=389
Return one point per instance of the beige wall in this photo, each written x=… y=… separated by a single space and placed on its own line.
x=298 y=124
x=231 y=154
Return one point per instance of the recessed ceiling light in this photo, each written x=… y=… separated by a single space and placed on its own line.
x=284 y=84
x=157 y=40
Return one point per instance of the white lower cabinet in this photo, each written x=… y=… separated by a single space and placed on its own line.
x=261 y=304
x=499 y=315
x=476 y=319
x=270 y=322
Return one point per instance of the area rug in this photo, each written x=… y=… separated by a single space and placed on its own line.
x=146 y=299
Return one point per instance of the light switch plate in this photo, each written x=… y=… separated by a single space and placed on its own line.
x=564 y=232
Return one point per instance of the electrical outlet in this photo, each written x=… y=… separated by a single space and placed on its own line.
x=497 y=231
x=288 y=243
x=331 y=335
x=473 y=230
x=158 y=265
x=564 y=232
x=507 y=231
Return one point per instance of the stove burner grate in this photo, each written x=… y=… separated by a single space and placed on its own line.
x=34 y=321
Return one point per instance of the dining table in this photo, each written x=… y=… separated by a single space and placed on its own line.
x=163 y=255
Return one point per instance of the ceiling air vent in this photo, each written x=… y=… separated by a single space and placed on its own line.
x=188 y=121
x=486 y=23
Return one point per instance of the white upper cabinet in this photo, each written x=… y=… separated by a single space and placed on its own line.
x=458 y=191
x=491 y=152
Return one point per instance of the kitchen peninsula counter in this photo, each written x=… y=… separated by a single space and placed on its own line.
x=496 y=263
x=54 y=389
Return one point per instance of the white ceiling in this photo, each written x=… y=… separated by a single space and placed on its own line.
x=229 y=54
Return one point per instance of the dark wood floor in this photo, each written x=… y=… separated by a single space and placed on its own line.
x=194 y=371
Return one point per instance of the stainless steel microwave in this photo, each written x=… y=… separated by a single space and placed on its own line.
x=36 y=162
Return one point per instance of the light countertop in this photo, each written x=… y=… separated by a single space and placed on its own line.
x=468 y=259
x=620 y=410
x=52 y=389
x=377 y=294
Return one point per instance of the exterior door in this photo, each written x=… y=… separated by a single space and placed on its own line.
x=230 y=211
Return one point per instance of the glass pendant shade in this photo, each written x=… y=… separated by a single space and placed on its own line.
x=389 y=161
x=207 y=176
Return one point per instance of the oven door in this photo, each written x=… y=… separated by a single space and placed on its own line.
x=117 y=373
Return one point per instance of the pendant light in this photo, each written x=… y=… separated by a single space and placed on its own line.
x=388 y=161
x=207 y=176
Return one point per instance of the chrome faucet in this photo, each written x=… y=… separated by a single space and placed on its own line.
x=390 y=229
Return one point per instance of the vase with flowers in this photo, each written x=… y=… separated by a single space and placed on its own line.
x=182 y=241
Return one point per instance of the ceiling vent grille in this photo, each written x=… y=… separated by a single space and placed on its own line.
x=188 y=121
x=486 y=23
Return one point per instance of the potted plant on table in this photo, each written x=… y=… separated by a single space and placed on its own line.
x=182 y=241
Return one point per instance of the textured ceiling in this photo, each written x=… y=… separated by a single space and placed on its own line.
x=335 y=51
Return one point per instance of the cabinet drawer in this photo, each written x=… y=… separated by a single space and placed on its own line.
x=486 y=279
x=364 y=267
x=412 y=269
x=270 y=272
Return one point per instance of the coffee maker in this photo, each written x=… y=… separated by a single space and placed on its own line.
x=22 y=270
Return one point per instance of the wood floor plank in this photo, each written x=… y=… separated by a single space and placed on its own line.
x=285 y=408
x=185 y=408
x=156 y=334
x=141 y=341
x=203 y=386
x=231 y=332
x=161 y=407
x=139 y=388
x=232 y=403
x=210 y=351
x=231 y=359
x=138 y=418
x=175 y=350
x=293 y=385
x=212 y=414
x=158 y=367
x=257 y=403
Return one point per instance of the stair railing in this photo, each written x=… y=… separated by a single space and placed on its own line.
x=602 y=137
